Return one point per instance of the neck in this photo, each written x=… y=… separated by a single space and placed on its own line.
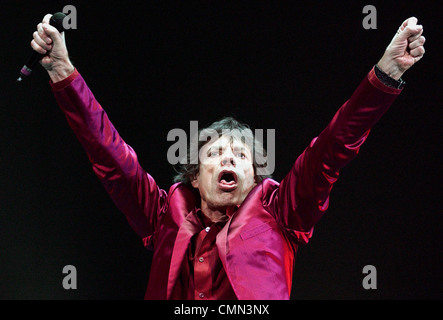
x=217 y=214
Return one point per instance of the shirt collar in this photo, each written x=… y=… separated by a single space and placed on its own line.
x=206 y=222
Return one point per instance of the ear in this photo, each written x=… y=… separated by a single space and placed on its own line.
x=194 y=181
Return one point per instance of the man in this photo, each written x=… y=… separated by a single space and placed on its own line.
x=223 y=231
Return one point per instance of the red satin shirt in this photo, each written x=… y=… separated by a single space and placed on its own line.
x=203 y=275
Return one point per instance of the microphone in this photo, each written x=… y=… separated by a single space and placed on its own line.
x=57 y=22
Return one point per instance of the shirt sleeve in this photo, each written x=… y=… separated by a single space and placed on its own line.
x=387 y=80
x=114 y=162
x=55 y=86
x=303 y=195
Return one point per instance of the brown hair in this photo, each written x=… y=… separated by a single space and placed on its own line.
x=226 y=126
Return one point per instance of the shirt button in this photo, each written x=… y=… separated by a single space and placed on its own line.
x=207 y=229
x=201 y=295
x=201 y=259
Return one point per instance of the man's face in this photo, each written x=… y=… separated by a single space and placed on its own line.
x=226 y=174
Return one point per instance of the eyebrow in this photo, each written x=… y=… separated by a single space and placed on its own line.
x=237 y=148
x=233 y=147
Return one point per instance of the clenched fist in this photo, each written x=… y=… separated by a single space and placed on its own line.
x=405 y=49
x=51 y=43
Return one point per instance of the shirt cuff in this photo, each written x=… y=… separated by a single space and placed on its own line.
x=379 y=84
x=65 y=82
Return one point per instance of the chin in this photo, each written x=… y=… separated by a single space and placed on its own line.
x=225 y=200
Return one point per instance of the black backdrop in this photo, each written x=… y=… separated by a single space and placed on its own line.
x=155 y=66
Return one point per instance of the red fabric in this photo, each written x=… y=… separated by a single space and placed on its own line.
x=202 y=274
x=65 y=82
x=258 y=244
x=376 y=82
x=206 y=277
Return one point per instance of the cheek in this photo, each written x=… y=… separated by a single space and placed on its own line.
x=205 y=176
x=248 y=173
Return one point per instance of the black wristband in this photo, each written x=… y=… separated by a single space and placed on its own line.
x=387 y=80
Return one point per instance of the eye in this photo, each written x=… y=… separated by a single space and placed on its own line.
x=241 y=155
x=214 y=153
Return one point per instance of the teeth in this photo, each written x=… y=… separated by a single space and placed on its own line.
x=226 y=182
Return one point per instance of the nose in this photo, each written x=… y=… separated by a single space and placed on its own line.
x=228 y=159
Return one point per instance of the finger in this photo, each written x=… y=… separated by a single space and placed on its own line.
x=416 y=36
x=37 y=47
x=410 y=31
x=40 y=42
x=418 y=52
x=416 y=59
x=417 y=43
x=53 y=33
x=42 y=34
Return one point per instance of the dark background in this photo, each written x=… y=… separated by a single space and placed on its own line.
x=155 y=66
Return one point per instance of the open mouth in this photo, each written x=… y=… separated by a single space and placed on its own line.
x=227 y=180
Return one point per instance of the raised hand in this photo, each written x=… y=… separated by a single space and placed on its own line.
x=405 y=49
x=51 y=43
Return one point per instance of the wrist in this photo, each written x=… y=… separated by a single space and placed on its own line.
x=61 y=71
x=387 y=80
x=389 y=67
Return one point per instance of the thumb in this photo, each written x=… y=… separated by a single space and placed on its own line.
x=409 y=28
x=412 y=21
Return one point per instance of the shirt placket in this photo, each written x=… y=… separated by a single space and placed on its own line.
x=202 y=264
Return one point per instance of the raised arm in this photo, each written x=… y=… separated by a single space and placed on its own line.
x=303 y=196
x=115 y=163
